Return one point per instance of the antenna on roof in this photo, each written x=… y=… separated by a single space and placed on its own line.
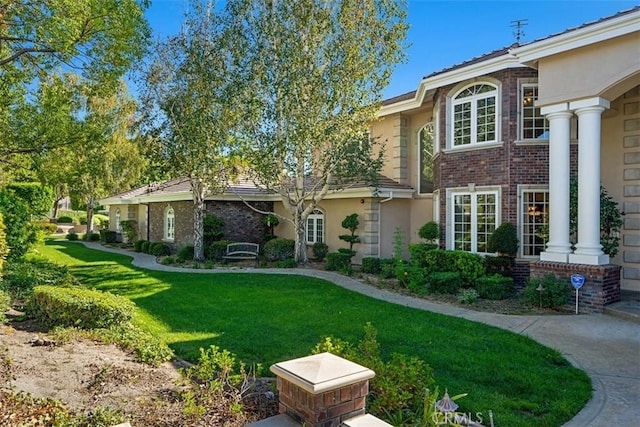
x=518 y=24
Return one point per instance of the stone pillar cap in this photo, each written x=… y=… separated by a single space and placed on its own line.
x=321 y=372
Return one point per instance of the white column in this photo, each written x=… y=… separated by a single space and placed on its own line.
x=559 y=117
x=588 y=249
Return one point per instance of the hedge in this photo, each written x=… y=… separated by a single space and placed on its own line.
x=444 y=282
x=418 y=253
x=494 y=287
x=470 y=266
x=371 y=265
x=279 y=249
x=78 y=307
x=338 y=261
x=217 y=250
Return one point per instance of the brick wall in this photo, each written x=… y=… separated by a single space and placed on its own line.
x=601 y=287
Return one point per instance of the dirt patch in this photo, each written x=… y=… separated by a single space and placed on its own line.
x=84 y=376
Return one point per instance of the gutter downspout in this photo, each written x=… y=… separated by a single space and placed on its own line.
x=388 y=199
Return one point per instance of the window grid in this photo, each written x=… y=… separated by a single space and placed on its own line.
x=315 y=227
x=533 y=124
x=426 y=147
x=118 y=219
x=475 y=115
x=475 y=219
x=535 y=210
x=170 y=224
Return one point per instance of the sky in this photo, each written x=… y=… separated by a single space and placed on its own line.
x=443 y=33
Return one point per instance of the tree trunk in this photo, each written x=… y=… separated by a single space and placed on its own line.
x=89 y=218
x=300 y=253
x=198 y=190
x=55 y=208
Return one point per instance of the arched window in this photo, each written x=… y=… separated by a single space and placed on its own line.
x=315 y=227
x=169 y=223
x=474 y=115
x=117 y=220
x=425 y=167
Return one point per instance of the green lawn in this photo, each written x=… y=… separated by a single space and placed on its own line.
x=271 y=318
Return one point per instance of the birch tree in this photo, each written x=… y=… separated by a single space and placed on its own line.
x=314 y=75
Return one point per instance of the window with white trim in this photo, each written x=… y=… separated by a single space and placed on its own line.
x=118 y=218
x=425 y=159
x=474 y=219
x=533 y=125
x=534 y=221
x=474 y=115
x=169 y=223
x=315 y=227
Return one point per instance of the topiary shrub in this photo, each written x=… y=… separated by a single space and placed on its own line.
x=94 y=237
x=502 y=265
x=47 y=228
x=320 y=250
x=418 y=253
x=371 y=265
x=494 y=287
x=145 y=247
x=338 y=261
x=504 y=240
x=78 y=307
x=351 y=223
x=279 y=249
x=109 y=236
x=430 y=231
x=160 y=249
x=556 y=291
x=72 y=236
x=65 y=220
x=185 y=253
x=469 y=266
x=444 y=282
x=217 y=250
x=137 y=246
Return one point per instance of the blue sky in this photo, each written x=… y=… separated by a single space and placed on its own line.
x=446 y=32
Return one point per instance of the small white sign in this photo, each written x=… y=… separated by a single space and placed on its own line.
x=577 y=280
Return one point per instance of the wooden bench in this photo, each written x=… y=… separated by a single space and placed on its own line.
x=238 y=251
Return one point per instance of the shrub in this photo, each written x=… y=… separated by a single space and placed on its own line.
x=47 y=228
x=418 y=252
x=72 y=236
x=469 y=266
x=94 y=237
x=411 y=276
x=168 y=260
x=468 y=296
x=371 y=265
x=20 y=234
x=65 y=220
x=504 y=240
x=217 y=250
x=137 y=246
x=494 y=287
x=185 y=253
x=110 y=236
x=146 y=346
x=5 y=302
x=213 y=229
x=160 y=249
x=556 y=291
x=279 y=249
x=388 y=268
x=4 y=248
x=145 y=247
x=130 y=229
x=502 y=265
x=350 y=223
x=320 y=250
x=444 y=282
x=286 y=263
x=430 y=231
x=79 y=307
x=22 y=276
x=338 y=261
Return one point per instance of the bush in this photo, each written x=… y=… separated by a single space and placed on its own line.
x=72 y=236
x=213 y=229
x=137 y=246
x=168 y=260
x=411 y=276
x=494 y=287
x=556 y=291
x=504 y=240
x=185 y=253
x=160 y=249
x=371 y=265
x=468 y=296
x=130 y=229
x=279 y=249
x=430 y=231
x=502 y=265
x=338 y=261
x=444 y=282
x=65 y=220
x=145 y=247
x=110 y=236
x=20 y=234
x=22 y=276
x=94 y=237
x=320 y=250
x=388 y=268
x=146 y=346
x=217 y=250
x=4 y=248
x=79 y=307
x=418 y=253
x=286 y=263
x=469 y=266
x=5 y=302
x=47 y=228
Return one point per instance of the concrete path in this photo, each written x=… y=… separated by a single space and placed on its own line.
x=605 y=347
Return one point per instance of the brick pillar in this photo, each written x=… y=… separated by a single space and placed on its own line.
x=322 y=390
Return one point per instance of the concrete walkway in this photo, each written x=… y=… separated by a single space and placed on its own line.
x=605 y=347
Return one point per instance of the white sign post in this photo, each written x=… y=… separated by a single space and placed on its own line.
x=577 y=280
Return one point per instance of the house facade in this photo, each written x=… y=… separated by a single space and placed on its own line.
x=497 y=138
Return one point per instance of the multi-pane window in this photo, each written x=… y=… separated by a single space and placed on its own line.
x=533 y=125
x=169 y=224
x=315 y=227
x=118 y=218
x=535 y=210
x=475 y=115
x=474 y=220
x=425 y=145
